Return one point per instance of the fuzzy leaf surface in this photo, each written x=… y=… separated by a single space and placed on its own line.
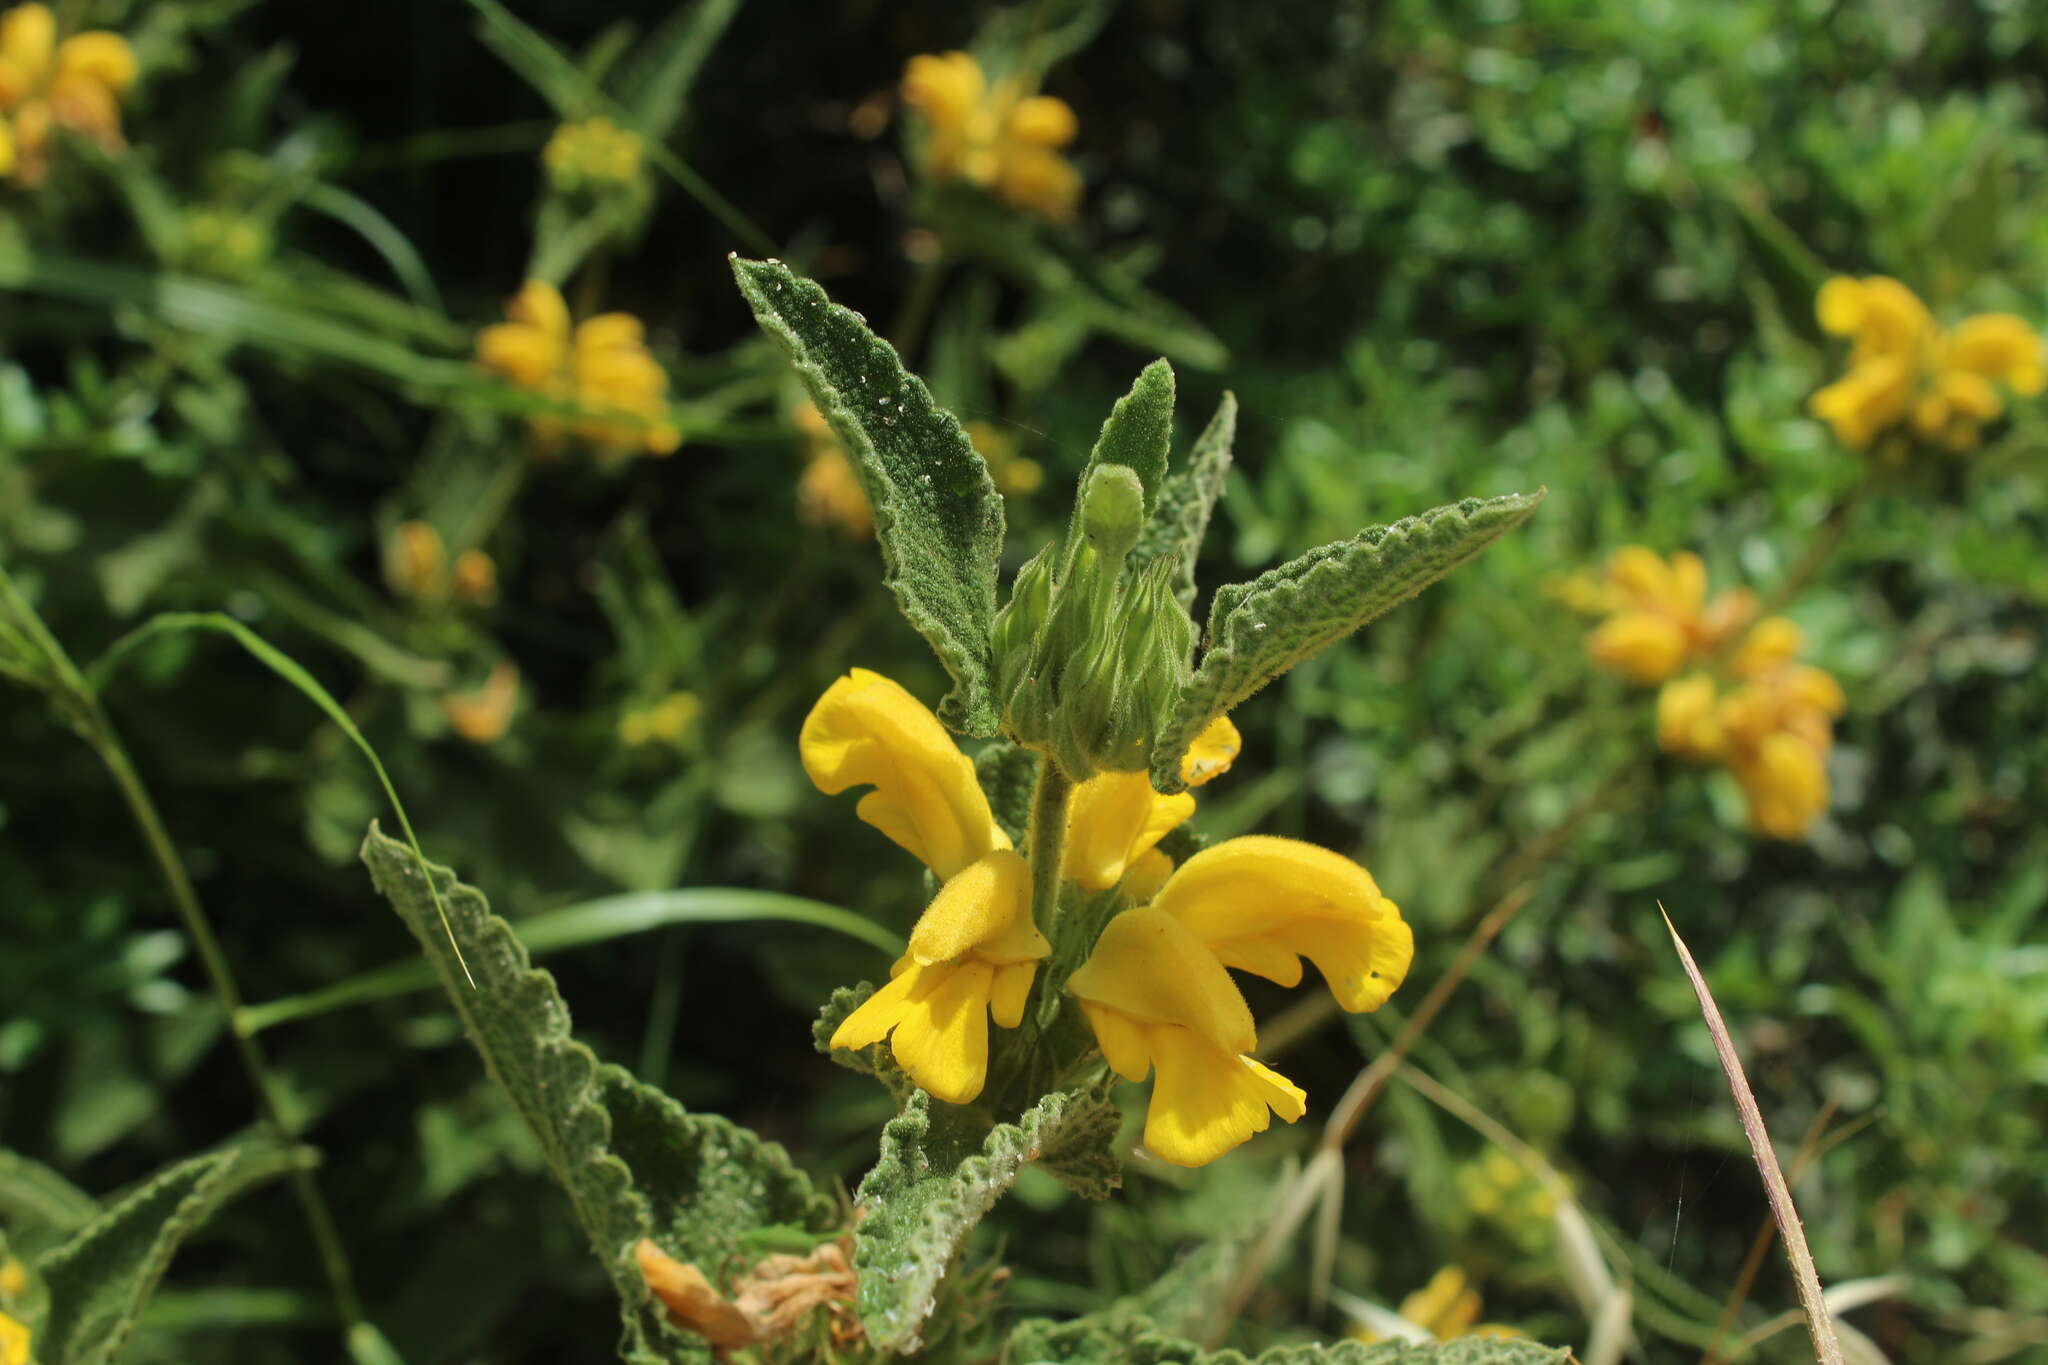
x=933 y=1185
x=1111 y=1338
x=1180 y=521
x=938 y=517
x=35 y=1200
x=1259 y=630
x=99 y=1281
x=633 y=1162
x=1138 y=433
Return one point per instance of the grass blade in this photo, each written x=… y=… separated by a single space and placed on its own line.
x=1827 y=1348
x=594 y=921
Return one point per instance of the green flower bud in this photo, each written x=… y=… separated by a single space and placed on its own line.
x=1015 y=637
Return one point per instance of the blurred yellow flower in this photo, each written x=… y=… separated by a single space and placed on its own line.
x=15 y=1340
x=415 y=560
x=829 y=492
x=1773 y=729
x=45 y=84
x=13 y=1279
x=1014 y=474
x=975 y=950
x=1158 y=994
x=1003 y=139
x=669 y=721
x=602 y=367
x=483 y=715
x=1446 y=1308
x=1905 y=370
x=475 y=578
x=594 y=154
x=1660 y=616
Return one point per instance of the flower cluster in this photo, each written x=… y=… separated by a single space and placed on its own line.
x=1002 y=138
x=1659 y=616
x=669 y=721
x=1769 y=720
x=1155 y=986
x=1939 y=383
x=592 y=156
x=1772 y=728
x=416 y=566
x=45 y=85
x=1444 y=1309
x=601 y=366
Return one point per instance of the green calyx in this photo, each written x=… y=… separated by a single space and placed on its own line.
x=1088 y=664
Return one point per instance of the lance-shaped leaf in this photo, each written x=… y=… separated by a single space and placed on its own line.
x=1115 y=1337
x=1139 y=431
x=633 y=1162
x=1259 y=630
x=37 y=1204
x=933 y=1185
x=1181 y=518
x=938 y=517
x=99 y=1281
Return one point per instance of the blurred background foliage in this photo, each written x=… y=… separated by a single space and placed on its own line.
x=1436 y=251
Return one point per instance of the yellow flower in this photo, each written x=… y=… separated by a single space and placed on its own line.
x=593 y=154
x=414 y=561
x=1661 y=615
x=972 y=956
x=475 y=577
x=75 y=84
x=14 y=1341
x=13 y=1279
x=829 y=493
x=1446 y=1308
x=1158 y=999
x=602 y=367
x=668 y=721
x=975 y=950
x=1005 y=140
x=1905 y=369
x=1158 y=995
x=1773 y=729
x=1114 y=819
x=482 y=716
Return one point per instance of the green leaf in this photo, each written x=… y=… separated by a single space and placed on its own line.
x=1008 y=773
x=1186 y=498
x=1139 y=432
x=633 y=1163
x=1785 y=264
x=933 y=1185
x=1114 y=1337
x=938 y=516
x=1968 y=231
x=1259 y=630
x=35 y=1199
x=655 y=82
x=99 y=1281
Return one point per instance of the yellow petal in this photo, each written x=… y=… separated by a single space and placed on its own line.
x=14 y=1341
x=1148 y=966
x=945 y=88
x=28 y=34
x=880 y=1012
x=1040 y=181
x=1212 y=753
x=1999 y=346
x=1247 y=897
x=985 y=908
x=1640 y=574
x=83 y=105
x=1817 y=689
x=525 y=354
x=1148 y=873
x=1043 y=121
x=1688 y=584
x=1839 y=306
x=1644 y=646
x=15 y=84
x=1787 y=786
x=1772 y=642
x=102 y=56
x=1112 y=819
x=1969 y=396
x=1686 y=720
x=1206 y=1101
x=1121 y=1039
x=539 y=304
x=868 y=731
x=941 y=1040
x=1010 y=991
x=609 y=331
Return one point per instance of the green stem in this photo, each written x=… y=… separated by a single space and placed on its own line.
x=1046 y=842
x=80 y=704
